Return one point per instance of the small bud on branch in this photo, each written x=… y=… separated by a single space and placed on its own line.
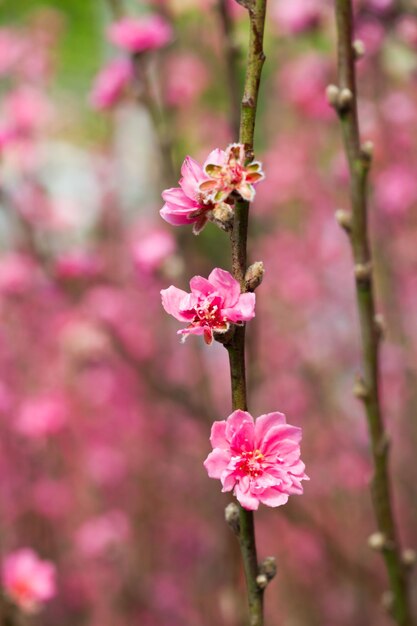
x=231 y=515
x=254 y=275
x=344 y=219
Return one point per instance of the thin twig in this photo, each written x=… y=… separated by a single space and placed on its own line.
x=359 y=158
x=236 y=348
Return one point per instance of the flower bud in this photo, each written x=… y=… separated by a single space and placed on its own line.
x=332 y=95
x=377 y=541
x=359 y=389
x=344 y=219
x=363 y=271
x=380 y=325
x=409 y=557
x=222 y=215
x=231 y=515
x=359 y=49
x=268 y=567
x=367 y=150
x=262 y=581
x=345 y=99
x=254 y=275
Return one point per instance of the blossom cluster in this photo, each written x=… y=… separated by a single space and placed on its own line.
x=209 y=191
x=259 y=461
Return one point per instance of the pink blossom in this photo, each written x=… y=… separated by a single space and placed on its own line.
x=186 y=78
x=296 y=16
x=304 y=81
x=205 y=189
x=28 y=580
x=396 y=189
x=42 y=415
x=259 y=460
x=186 y=204
x=212 y=305
x=99 y=534
x=231 y=174
x=140 y=34
x=78 y=264
x=110 y=83
x=150 y=250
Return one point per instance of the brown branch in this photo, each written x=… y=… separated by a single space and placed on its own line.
x=344 y=99
x=236 y=347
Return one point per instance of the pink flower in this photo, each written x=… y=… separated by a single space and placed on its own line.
x=186 y=204
x=186 y=77
x=41 y=416
x=28 y=580
x=231 y=174
x=297 y=16
x=138 y=35
x=205 y=190
x=212 y=305
x=259 y=460
x=111 y=83
x=151 y=249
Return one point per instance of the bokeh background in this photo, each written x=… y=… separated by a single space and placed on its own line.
x=104 y=415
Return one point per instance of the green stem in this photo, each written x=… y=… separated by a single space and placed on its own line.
x=236 y=347
x=359 y=162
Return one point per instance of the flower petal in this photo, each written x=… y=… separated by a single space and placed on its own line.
x=216 y=462
x=227 y=286
x=171 y=301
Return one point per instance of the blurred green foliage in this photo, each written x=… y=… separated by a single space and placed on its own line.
x=82 y=43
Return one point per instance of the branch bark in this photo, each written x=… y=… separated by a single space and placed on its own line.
x=236 y=347
x=367 y=389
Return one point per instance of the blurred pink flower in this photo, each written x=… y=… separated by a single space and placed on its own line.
x=99 y=534
x=150 y=250
x=212 y=305
x=259 y=460
x=303 y=83
x=140 y=34
x=186 y=78
x=406 y=29
x=78 y=264
x=41 y=416
x=17 y=273
x=372 y=33
x=27 y=109
x=28 y=580
x=396 y=189
x=12 y=49
x=296 y=16
x=111 y=83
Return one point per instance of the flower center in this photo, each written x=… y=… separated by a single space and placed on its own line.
x=251 y=463
x=208 y=314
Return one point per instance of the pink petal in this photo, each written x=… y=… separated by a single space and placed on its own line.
x=218 y=435
x=273 y=497
x=244 y=310
x=192 y=176
x=216 y=157
x=171 y=301
x=271 y=443
x=246 y=499
x=235 y=421
x=216 y=462
x=226 y=286
x=201 y=286
x=244 y=438
x=265 y=422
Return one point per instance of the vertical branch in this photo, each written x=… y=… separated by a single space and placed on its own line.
x=232 y=59
x=344 y=100
x=236 y=347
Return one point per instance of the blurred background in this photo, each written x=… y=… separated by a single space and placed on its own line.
x=104 y=415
